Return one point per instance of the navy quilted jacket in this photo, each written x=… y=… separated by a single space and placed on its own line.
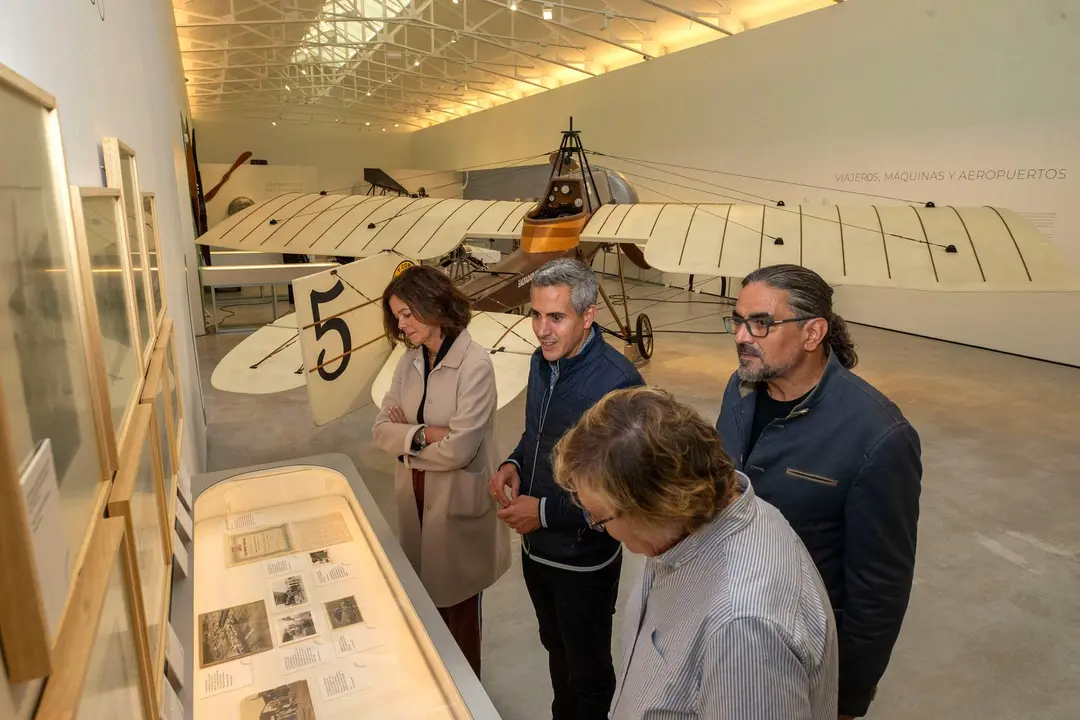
x=558 y=395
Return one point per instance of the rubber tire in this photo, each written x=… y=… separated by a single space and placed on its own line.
x=644 y=332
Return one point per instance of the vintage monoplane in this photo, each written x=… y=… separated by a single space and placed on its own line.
x=347 y=363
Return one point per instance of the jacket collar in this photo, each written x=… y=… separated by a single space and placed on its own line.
x=728 y=521
x=832 y=373
x=454 y=356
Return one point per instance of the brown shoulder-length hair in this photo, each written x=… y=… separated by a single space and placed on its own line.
x=431 y=296
x=655 y=460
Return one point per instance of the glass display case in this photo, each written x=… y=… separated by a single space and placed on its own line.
x=302 y=600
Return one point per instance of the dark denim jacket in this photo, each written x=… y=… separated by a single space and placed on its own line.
x=845 y=469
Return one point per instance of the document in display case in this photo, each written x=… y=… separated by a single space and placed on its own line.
x=304 y=604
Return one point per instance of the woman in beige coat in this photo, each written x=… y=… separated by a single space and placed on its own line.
x=438 y=419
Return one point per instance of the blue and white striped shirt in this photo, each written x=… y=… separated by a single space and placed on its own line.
x=732 y=623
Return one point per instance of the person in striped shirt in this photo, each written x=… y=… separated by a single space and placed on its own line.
x=730 y=619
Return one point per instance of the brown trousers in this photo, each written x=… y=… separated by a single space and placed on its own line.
x=464 y=619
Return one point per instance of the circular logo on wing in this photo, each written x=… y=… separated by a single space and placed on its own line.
x=403 y=266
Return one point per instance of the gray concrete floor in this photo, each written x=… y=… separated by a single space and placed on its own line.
x=993 y=629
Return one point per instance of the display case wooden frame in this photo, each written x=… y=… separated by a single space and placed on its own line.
x=155 y=554
x=80 y=198
x=105 y=581
x=154 y=256
x=118 y=156
x=51 y=317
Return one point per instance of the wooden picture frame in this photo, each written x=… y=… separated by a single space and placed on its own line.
x=100 y=639
x=122 y=173
x=51 y=377
x=99 y=231
x=171 y=380
x=138 y=496
x=154 y=257
x=155 y=393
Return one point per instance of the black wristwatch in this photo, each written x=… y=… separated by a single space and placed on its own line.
x=419 y=441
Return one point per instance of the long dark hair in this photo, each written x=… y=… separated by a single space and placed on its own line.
x=809 y=294
x=432 y=297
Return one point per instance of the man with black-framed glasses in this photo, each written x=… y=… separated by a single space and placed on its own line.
x=833 y=454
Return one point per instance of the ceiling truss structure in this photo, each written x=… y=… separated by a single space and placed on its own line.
x=409 y=64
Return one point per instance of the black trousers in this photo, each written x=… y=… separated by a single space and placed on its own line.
x=575 y=612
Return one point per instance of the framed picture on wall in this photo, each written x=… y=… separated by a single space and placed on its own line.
x=54 y=401
x=101 y=653
x=153 y=249
x=99 y=232
x=155 y=394
x=167 y=341
x=138 y=496
x=121 y=172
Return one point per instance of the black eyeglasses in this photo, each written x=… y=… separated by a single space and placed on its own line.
x=597 y=525
x=757 y=326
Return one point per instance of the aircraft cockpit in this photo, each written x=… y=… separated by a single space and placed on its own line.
x=565 y=197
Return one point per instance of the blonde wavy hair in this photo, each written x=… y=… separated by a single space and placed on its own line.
x=653 y=458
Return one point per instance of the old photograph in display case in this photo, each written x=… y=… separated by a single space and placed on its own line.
x=138 y=496
x=99 y=232
x=155 y=394
x=101 y=648
x=153 y=254
x=298 y=610
x=54 y=404
x=121 y=172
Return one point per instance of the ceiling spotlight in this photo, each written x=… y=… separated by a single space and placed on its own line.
x=369 y=93
x=367 y=123
x=287 y=88
x=416 y=62
x=274 y=123
x=384 y=129
x=395 y=124
x=513 y=5
x=547 y=12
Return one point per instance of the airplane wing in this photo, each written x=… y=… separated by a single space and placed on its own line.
x=264 y=362
x=903 y=246
x=365 y=225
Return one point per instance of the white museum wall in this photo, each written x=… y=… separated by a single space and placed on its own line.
x=932 y=94
x=338 y=152
x=257 y=182
x=115 y=70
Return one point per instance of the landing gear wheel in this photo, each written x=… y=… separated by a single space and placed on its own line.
x=644 y=336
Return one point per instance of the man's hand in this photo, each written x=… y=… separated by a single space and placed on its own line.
x=522 y=514
x=397 y=415
x=506 y=476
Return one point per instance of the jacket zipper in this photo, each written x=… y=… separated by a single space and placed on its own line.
x=539 y=435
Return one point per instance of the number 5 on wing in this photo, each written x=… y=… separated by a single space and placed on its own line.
x=330 y=325
x=339 y=314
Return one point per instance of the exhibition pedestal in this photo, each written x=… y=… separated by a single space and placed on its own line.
x=300 y=601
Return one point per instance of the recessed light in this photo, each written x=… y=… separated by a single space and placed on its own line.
x=273 y=123
x=367 y=123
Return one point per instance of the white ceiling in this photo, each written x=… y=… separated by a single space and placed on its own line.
x=396 y=65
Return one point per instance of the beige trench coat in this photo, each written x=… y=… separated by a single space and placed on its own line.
x=464 y=547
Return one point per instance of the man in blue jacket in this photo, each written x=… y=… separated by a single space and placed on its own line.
x=833 y=454
x=571 y=566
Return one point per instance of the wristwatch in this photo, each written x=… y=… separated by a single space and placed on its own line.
x=419 y=441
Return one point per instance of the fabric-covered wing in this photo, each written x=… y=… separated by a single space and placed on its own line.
x=339 y=315
x=901 y=246
x=509 y=337
x=264 y=362
x=313 y=224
